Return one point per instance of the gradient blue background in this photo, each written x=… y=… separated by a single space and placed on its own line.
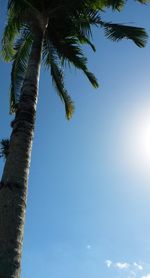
x=86 y=204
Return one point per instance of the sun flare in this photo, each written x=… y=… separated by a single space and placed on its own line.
x=136 y=140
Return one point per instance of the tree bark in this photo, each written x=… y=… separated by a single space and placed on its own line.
x=14 y=183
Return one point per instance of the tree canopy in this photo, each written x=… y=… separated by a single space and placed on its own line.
x=67 y=26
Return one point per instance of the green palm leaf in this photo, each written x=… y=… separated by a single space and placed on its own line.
x=20 y=61
x=143 y=1
x=51 y=61
x=83 y=40
x=114 y=4
x=10 y=33
x=118 y=32
x=70 y=51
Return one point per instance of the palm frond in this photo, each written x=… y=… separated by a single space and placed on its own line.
x=143 y=1
x=73 y=54
x=4 y=148
x=10 y=33
x=117 y=32
x=57 y=77
x=82 y=23
x=83 y=40
x=91 y=77
x=114 y=4
x=69 y=50
x=51 y=61
x=18 y=5
x=19 y=66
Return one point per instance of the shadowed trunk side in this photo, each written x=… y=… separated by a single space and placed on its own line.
x=13 y=190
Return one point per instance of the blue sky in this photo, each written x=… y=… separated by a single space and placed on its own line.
x=89 y=189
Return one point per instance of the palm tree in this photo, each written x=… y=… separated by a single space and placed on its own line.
x=51 y=32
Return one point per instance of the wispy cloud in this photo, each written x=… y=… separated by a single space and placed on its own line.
x=146 y=276
x=121 y=265
x=140 y=267
x=108 y=263
x=130 y=269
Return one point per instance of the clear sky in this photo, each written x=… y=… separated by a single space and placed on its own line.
x=88 y=212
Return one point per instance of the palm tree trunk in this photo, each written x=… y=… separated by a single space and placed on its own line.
x=13 y=190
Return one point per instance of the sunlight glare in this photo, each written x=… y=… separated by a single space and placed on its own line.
x=136 y=140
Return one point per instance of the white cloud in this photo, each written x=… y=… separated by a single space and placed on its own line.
x=140 y=267
x=121 y=266
x=131 y=269
x=146 y=276
x=108 y=263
